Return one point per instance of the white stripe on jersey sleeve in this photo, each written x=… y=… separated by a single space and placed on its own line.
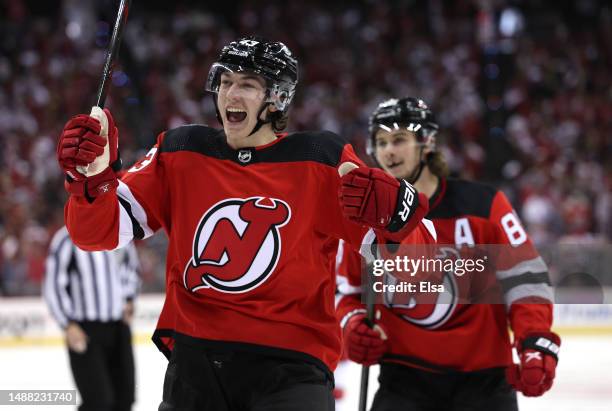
x=366 y=246
x=342 y=282
x=339 y=255
x=126 y=229
x=345 y=288
x=535 y=265
x=429 y=225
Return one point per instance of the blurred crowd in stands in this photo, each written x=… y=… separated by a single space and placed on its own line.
x=522 y=92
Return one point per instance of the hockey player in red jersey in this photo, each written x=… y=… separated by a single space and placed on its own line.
x=452 y=356
x=252 y=217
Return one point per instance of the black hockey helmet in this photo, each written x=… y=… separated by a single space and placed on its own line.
x=270 y=59
x=409 y=113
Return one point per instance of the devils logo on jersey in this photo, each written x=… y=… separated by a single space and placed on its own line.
x=426 y=309
x=237 y=244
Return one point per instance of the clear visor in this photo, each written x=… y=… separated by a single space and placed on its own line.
x=272 y=92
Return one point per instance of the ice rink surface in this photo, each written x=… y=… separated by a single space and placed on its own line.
x=584 y=376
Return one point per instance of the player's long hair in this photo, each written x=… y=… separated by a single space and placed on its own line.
x=279 y=120
x=436 y=163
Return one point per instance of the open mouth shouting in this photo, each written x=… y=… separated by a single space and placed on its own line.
x=235 y=115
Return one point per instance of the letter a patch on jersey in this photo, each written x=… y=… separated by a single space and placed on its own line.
x=237 y=244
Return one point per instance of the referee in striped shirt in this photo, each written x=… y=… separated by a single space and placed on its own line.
x=91 y=294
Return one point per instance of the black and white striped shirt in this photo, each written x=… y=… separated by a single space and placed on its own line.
x=88 y=286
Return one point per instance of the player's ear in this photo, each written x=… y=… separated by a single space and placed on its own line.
x=269 y=110
x=265 y=114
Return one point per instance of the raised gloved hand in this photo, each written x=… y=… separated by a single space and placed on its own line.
x=372 y=197
x=88 y=152
x=539 y=356
x=363 y=344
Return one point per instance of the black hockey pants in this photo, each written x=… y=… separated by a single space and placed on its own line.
x=199 y=379
x=410 y=389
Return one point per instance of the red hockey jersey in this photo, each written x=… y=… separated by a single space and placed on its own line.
x=252 y=236
x=452 y=336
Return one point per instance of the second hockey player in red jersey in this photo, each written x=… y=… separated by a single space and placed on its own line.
x=253 y=218
x=451 y=355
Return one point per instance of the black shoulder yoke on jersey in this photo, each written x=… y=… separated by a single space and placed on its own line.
x=463 y=198
x=320 y=146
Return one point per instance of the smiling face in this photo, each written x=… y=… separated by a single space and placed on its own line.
x=397 y=151
x=240 y=98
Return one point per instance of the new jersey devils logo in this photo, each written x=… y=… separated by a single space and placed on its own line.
x=426 y=310
x=237 y=244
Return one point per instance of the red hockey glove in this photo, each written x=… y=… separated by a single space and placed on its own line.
x=372 y=197
x=79 y=144
x=363 y=344
x=536 y=372
x=88 y=152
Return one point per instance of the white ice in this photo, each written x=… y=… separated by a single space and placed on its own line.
x=584 y=376
x=583 y=382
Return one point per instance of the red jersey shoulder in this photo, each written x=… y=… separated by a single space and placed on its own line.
x=462 y=198
x=509 y=229
x=471 y=213
x=194 y=137
x=424 y=233
x=322 y=147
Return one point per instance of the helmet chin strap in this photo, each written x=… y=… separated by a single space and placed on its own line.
x=429 y=142
x=260 y=122
x=217 y=112
x=414 y=176
x=418 y=170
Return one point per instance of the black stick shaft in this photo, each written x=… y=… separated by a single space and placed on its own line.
x=365 y=370
x=113 y=49
x=363 y=393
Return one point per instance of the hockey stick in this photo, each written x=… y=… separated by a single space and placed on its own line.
x=370 y=298
x=369 y=320
x=111 y=55
x=113 y=49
